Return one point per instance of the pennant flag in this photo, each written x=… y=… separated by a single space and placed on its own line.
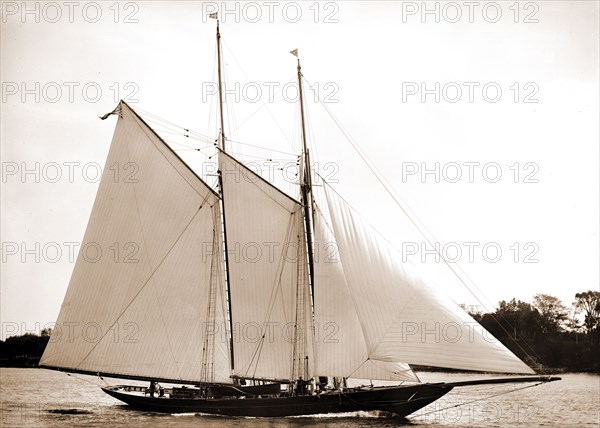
x=214 y=15
x=294 y=52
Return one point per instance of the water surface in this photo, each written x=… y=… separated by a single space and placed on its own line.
x=44 y=398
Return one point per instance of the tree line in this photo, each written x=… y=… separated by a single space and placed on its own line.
x=546 y=334
x=24 y=350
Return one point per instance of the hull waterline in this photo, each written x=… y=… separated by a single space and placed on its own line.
x=400 y=400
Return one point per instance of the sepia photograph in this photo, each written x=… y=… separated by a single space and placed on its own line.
x=325 y=213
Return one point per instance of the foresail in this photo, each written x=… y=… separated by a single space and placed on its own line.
x=402 y=318
x=340 y=344
x=139 y=300
x=264 y=232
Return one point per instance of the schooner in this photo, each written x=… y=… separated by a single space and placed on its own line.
x=275 y=335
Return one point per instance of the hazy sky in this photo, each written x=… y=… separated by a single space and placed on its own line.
x=482 y=116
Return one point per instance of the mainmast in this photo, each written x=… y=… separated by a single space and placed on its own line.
x=306 y=186
x=222 y=147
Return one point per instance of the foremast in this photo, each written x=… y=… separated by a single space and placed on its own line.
x=220 y=85
x=221 y=146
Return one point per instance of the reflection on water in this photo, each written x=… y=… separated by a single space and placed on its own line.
x=43 y=398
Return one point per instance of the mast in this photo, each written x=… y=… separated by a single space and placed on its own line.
x=306 y=187
x=223 y=222
x=222 y=136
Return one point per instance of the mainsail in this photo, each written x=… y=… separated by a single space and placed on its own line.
x=267 y=273
x=139 y=300
x=401 y=317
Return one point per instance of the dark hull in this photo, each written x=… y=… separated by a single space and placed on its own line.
x=217 y=390
x=400 y=400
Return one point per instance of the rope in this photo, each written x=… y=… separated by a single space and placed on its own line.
x=151 y=277
x=478 y=399
x=405 y=209
x=264 y=104
x=340 y=393
x=166 y=123
x=275 y=291
x=87 y=381
x=168 y=127
x=263 y=148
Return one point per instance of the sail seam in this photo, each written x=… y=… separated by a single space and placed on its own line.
x=141 y=288
x=384 y=369
x=245 y=168
x=405 y=211
x=353 y=232
x=139 y=218
x=208 y=351
x=275 y=290
x=155 y=135
x=362 y=328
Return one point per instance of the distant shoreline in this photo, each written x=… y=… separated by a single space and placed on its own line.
x=546 y=371
x=22 y=363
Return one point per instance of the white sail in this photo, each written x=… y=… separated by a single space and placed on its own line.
x=138 y=297
x=401 y=317
x=264 y=232
x=341 y=349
